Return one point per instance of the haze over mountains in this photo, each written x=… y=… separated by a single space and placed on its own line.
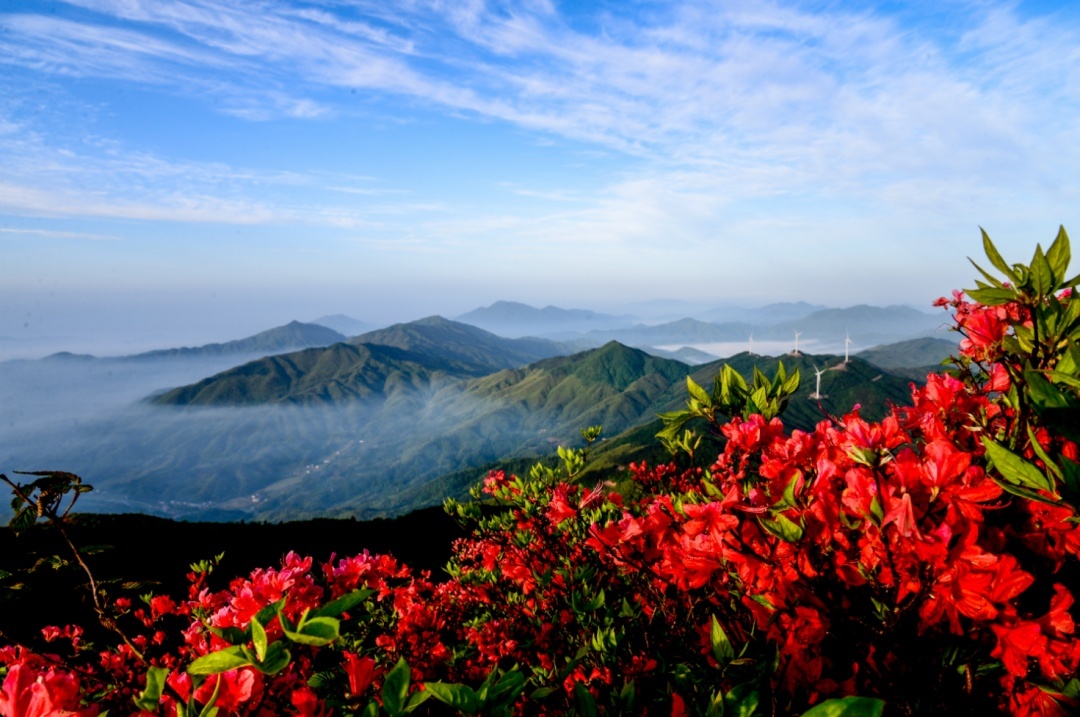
x=713 y=331
x=300 y=421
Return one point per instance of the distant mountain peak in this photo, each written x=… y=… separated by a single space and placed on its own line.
x=513 y=318
x=433 y=320
x=280 y=339
x=343 y=324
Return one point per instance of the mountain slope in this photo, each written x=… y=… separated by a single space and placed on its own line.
x=290 y=337
x=683 y=331
x=416 y=356
x=511 y=318
x=916 y=353
x=343 y=324
x=763 y=315
x=335 y=373
x=843 y=387
x=474 y=349
x=516 y=412
x=366 y=429
x=865 y=324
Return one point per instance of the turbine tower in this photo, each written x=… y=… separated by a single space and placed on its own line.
x=847 y=344
x=816 y=395
x=751 y=343
x=797 y=335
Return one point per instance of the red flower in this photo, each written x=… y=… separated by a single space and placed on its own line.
x=31 y=691
x=1017 y=643
x=360 y=672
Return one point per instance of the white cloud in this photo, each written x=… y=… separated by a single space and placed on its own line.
x=53 y=234
x=727 y=111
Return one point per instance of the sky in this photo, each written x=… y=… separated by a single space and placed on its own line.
x=192 y=170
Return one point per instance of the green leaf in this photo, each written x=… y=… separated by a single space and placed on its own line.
x=23 y=520
x=231 y=635
x=716 y=705
x=155 y=684
x=1061 y=377
x=459 y=697
x=415 y=700
x=509 y=686
x=317 y=631
x=1033 y=441
x=343 y=604
x=1044 y=395
x=1042 y=276
x=268 y=613
x=1015 y=469
x=994 y=281
x=791 y=385
x=277 y=659
x=991 y=297
x=1023 y=492
x=541 y=692
x=396 y=688
x=721 y=645
x=258 y=637
x=673 y=424
x=847 y=707
x=788 y=499
x=741 y=701
x=627 y=696
x=996 y=259
x=221 y=661
x=585 y=701
x=1070 y=478
x=698 y=393
x=1059 y=255
x=781 y=526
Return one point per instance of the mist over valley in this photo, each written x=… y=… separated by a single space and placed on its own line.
x=302 y=421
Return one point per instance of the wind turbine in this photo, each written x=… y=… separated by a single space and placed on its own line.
x=751 y=343
x=816 y=395
x=797 y=335
x=847 y=343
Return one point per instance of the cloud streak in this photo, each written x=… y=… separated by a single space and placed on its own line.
x=719 y=119
x=835 y=94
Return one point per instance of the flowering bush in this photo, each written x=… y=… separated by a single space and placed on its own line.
x=921 y=564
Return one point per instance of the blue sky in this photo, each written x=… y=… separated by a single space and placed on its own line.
x=203 y=169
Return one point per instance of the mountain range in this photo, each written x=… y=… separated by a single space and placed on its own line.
x=816 y=325
x=365 y=428
x=290 y=337
x=514 y=319
x=345 y=325
x=382 y=423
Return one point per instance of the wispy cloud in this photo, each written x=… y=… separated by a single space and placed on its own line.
x=53 y=234
x=858 y=93
x=730 y=118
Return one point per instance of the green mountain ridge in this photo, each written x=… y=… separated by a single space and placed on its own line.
x=418 y=356
x=515 y=412
x=843 y=386
x=916 y=353
x=512 y=318
x=366 y=429
x=334 y=373
x=290 y=337
x=444 y=340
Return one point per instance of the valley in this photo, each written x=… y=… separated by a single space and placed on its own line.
x=301 y=422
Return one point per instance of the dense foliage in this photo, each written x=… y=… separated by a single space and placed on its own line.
x=921 y=564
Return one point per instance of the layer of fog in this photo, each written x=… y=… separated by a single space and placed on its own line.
x=91 y=417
